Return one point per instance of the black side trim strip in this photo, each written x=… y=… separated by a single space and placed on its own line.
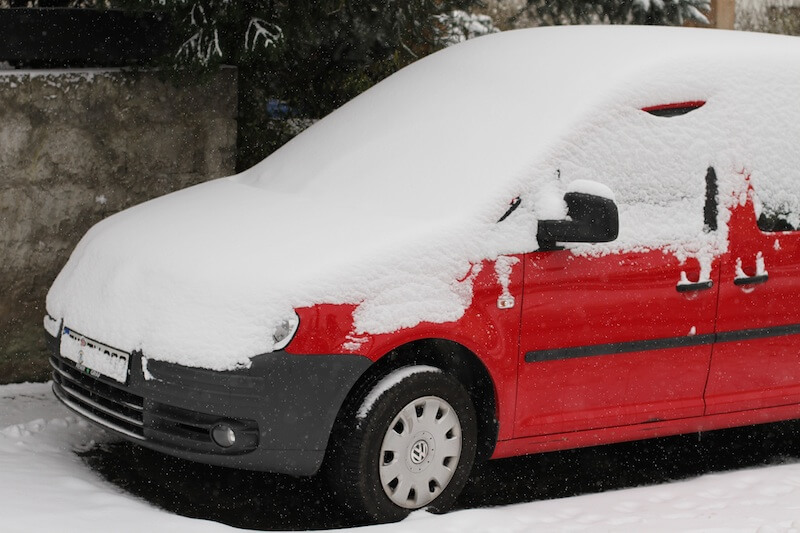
x=556 y=354
x=760 y=333
x=616 y=348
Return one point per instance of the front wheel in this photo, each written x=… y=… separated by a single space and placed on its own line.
x=410 y=444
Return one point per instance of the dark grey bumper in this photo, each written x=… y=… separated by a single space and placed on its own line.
x=283 y=407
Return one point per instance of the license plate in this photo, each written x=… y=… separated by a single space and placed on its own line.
x=94 y=358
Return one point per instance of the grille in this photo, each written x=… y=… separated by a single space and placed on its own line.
x=100 y=401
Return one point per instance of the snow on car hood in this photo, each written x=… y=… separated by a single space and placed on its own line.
x=203 y=276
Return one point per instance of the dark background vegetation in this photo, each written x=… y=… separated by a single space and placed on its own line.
x=312 y=56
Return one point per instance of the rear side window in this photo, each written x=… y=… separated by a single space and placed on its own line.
x=778 y=218
x=777 y=205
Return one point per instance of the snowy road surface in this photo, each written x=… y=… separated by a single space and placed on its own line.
x=58 y=473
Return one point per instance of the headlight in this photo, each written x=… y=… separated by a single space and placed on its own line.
x=284 y=332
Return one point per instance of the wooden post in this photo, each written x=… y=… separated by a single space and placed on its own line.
x=723 y=14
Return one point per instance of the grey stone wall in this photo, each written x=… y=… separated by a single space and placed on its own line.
x=77 y=146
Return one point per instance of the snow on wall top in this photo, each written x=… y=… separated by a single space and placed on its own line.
x=387 y=201
x=72 y=74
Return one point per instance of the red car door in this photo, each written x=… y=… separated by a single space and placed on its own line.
x=609 y=341
x=616 y=339
x=756 y=359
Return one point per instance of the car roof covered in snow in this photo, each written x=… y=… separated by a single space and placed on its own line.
x=458 y=128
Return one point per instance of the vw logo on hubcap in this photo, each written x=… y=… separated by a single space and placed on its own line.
x=419 y=451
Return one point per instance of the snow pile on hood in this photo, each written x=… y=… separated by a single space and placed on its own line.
x=387 y=202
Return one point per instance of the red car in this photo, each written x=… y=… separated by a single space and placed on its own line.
x=533 y=241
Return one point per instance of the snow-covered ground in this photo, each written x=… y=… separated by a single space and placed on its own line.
x=55 y=476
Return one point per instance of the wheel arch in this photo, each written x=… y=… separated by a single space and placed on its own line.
x=454 y=359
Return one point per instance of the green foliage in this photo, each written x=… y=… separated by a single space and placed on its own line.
x=314 y=55
x=663 y=12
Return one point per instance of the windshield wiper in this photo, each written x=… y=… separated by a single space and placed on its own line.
x=514 y=205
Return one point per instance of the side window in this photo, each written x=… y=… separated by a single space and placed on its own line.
x=776 y=197
x=778 y=217
x=712 y=199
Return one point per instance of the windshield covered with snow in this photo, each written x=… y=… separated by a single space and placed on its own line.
x=451 y=133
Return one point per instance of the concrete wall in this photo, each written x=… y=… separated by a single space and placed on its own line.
x=76 y=147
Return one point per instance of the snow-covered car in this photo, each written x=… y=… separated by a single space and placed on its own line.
x=532 y=241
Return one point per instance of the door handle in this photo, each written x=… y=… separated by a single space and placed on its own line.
x=690 y=287
x=761 y=272
x=751 y=280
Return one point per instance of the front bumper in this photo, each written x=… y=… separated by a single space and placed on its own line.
x=282 y=408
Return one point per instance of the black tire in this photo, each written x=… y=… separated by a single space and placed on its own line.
x=356 y=461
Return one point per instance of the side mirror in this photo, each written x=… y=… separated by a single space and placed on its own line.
x=590 y=218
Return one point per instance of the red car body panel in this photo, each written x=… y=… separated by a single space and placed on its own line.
x=595 y=437
x=615 y=299
x=488 y=331
x=604 y=348
x=764 y=369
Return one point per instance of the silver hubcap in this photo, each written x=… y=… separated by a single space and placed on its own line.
x=420 y=452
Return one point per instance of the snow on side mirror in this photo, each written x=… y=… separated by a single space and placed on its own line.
x=590 y=218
